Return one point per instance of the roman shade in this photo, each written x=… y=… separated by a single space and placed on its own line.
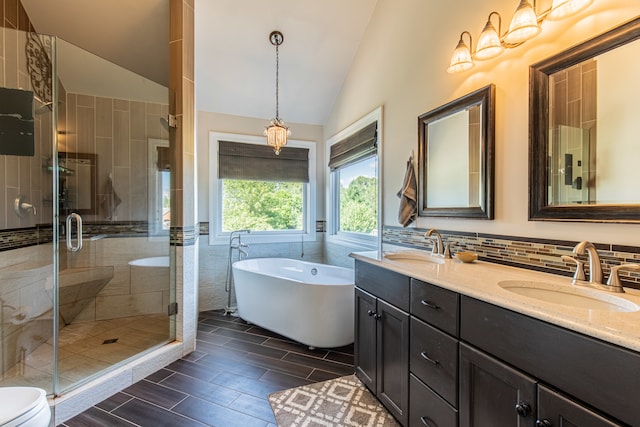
x=238 y=160
x=353 y=148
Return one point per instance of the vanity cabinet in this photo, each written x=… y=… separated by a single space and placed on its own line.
x=381 y=349
x=436 y=358
x=514 y=364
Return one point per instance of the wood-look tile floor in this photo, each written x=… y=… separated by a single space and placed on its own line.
x=224 y=383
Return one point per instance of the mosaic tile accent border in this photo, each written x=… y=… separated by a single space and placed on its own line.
x=523 y=252
x=16 y=238
x=23 y=237
x=184 y=236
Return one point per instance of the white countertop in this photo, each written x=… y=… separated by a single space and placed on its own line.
x=480 y=280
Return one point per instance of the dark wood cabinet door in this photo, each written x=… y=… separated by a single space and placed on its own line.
x=556 y=410
x=365 y=339
x=493 y=394
x=393 y=360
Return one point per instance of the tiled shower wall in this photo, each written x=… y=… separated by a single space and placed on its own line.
x=524 y=252
x=22 y=175
x=117 y=130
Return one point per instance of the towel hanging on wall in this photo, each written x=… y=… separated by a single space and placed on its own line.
x=408 y=196
x=110 y=201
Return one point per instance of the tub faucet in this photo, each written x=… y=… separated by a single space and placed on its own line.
x=595 y=269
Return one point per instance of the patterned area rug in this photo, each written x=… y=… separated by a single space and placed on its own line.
x=344 y=401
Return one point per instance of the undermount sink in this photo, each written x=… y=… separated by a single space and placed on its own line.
x=412 y=257
x=572 y=296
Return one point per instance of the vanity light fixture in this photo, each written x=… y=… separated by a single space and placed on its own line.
x=489 y=44
x=563 y=8
x=277 y=132
x=524 y=25
x=461 y=58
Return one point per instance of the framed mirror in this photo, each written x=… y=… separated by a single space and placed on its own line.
x=77 y=186
x=456 y=157
x=583 y=131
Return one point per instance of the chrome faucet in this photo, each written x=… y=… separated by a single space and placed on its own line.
x=595 y=269
x=439 y=249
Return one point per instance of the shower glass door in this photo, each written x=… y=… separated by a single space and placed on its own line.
x=84 y=239
x=113 y=172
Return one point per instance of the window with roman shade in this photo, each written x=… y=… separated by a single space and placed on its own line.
x=238 y=160
x=353 y=212
x=252 y=188
x=361 y=144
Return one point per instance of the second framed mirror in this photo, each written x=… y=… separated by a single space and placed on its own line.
x=456 y=157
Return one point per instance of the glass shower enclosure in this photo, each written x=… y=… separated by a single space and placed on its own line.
x=84 y=214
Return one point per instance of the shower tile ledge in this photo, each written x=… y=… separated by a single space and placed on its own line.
x=78 y=400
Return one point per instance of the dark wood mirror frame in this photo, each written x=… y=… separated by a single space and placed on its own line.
x=92 y=160
x=539 y=209
x=485 y=97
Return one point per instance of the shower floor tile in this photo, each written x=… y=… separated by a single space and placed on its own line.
x=82 y=352
x=224 y=382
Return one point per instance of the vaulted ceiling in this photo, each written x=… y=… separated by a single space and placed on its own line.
x=235 y=62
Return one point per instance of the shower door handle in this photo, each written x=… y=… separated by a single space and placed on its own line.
x=78 y=219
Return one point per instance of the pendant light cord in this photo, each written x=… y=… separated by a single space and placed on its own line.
x=277 y=78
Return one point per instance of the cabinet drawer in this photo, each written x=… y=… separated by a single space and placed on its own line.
x=435 y=305
x=434 y=359
x=426 y=408
x=385 y=284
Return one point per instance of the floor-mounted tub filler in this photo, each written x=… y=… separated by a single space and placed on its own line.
x=308 y=302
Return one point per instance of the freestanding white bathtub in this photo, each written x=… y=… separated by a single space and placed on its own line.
x=304 y=301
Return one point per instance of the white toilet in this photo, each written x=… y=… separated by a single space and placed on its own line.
x=24 y=406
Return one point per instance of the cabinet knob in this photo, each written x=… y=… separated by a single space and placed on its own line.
x=371 y=313
x=377 y=316
x=543 y=423
x=523 y=409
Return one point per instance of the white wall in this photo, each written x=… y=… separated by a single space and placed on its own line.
x=401 y=64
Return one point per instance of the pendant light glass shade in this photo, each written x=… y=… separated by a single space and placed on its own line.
x=563 y=8
x=524 y=24
x=461 y=58
x=489 y=45
x=277 y=134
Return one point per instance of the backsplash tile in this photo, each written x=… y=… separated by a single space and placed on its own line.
x=523 y=252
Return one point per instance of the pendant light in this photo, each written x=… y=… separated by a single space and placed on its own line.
x=277 y=132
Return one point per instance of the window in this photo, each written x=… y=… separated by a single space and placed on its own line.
x=354 y=185
x=252 y=188
x=159 y=187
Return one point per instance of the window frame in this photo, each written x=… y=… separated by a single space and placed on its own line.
x=334 y=235
x=218 y=237
x=154 y=191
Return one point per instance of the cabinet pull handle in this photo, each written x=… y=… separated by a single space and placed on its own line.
x=424 y=421
x=428 y=359
x=543 y=423
x=523 y=409
x=430 y=305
